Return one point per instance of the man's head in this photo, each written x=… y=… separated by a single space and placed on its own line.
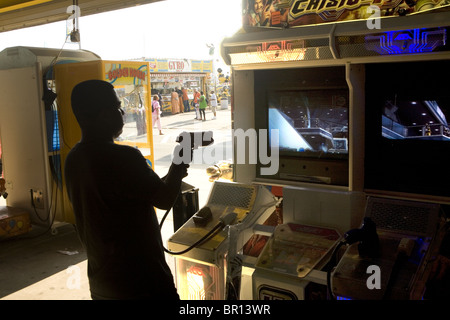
x=258 y=6
x=97 y=108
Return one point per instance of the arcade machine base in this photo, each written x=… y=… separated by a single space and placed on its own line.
x=292 y=252
x=356 y=276
x=406 y=230
x=13 y=222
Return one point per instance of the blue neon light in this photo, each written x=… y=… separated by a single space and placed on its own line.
x=406 y=41
x=343 y=298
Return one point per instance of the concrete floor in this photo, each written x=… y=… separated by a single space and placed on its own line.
x=52 y=266
x=44 y=267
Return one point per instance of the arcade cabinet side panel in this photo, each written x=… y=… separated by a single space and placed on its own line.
x=66 y=77
x=24 y=152
x=243 y=118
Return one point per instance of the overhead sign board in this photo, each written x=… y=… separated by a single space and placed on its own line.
x=292 y=13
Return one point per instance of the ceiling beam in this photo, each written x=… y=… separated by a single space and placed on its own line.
x=23 y=14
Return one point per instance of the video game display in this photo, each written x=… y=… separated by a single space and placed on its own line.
x=424 y=119
x=407 y=131
x=312 y=122
x=309 y=110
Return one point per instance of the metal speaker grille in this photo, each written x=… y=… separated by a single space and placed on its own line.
x=289 y=50
x=232 y=195
x=353 y=46
x=407 y=217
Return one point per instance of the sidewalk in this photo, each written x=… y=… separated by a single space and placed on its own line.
x=187 y=120
x=173 y=125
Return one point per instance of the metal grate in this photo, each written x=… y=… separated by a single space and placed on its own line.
x=353 y=46
x=283 y=50
x=408 y=217
x=232 y=195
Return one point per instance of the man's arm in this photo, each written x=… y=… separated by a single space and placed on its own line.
x=169 y=190
x=167 y=194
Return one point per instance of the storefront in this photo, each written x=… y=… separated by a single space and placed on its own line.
x=167 y=75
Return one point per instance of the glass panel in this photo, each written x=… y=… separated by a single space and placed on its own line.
x=131 y=83
x=135 y=105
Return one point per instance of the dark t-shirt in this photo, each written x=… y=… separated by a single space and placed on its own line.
x=111 y=189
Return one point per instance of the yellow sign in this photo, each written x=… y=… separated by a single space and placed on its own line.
x=179 y=65
x=202 y=65
x=123 y=73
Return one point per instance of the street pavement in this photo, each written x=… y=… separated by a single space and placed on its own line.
x=173 y=125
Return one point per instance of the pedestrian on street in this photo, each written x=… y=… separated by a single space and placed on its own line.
x=185 y=100
x=161 y=102
x=175 y=104
x=156 y=113
x=196 y=104
x=202 y=106
x=213 y=100
x=180 y=100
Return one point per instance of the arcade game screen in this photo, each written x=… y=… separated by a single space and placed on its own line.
x=310 y=122
x=407 y=135
x=409 y=118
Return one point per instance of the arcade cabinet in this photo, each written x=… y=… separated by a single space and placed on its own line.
x=30 y=143
x=361 y=132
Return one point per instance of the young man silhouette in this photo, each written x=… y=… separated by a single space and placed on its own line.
x=113 y=192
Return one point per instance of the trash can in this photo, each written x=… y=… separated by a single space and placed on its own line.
x=186 y=205
x=224 y=104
